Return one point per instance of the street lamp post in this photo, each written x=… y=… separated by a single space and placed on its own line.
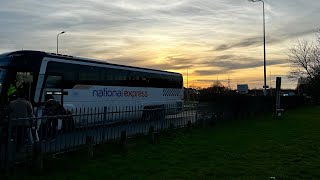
x=264 y=48
x=187 y=78
x=58 y=40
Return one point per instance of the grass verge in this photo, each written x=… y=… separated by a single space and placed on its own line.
x=257 y=148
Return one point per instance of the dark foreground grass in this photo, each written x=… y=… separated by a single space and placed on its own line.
x=257 y=148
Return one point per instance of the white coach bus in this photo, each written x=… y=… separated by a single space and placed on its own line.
x=81 y=83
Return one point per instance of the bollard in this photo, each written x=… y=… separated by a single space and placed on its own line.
x=89 y=143
x=279 y=113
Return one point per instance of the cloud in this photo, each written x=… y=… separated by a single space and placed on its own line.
x=167 y=66
x=167 y=35
x=228 y=63
x=173 y=63
x=209 y=72
x=180 y=60
x=258 y=41
x=240 y=44
x=123 y=60
x=212 y=80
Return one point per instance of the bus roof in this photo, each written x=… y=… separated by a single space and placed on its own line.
x=67 y=57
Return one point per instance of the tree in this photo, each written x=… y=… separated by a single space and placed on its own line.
x=195 y=87
x=305 y=60
x=217 y=88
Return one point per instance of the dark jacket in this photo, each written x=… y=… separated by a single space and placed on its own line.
x=20 y=108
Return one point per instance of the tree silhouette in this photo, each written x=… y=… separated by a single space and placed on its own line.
x=305 y=60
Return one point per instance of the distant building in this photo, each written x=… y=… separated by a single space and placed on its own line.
x=242 y=88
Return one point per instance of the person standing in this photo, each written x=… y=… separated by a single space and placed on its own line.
x=19 y=111
x=49 y=127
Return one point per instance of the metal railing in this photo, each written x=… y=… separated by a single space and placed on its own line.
x=59 y=132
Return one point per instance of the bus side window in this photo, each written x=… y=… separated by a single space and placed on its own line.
x=53 y=82
x=53 y=86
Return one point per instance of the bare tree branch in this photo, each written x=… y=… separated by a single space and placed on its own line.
x=305 y=58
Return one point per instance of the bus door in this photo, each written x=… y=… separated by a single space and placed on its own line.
x=53 y=88
x=24 y=82
x=19 y=81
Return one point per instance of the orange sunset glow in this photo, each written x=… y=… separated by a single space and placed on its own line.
x=212 y=40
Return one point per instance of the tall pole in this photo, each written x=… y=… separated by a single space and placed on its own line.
x=270 y=86
x=187 y=78
x=264 y=50
x=58 y=40
x=57 y=43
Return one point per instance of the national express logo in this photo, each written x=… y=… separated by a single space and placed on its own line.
x=118 y=93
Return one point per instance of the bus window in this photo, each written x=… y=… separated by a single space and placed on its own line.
x=53 y=86
x=53 y=82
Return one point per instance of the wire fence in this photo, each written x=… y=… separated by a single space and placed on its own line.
x=50 y=133
x=55 y=132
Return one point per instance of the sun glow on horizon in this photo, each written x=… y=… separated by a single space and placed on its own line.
x=215 y=40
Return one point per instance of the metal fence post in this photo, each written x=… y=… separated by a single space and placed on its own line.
x=104 y=123
x=8 y=148
x=89 y=143
x=152 y=135
x=189 y=124
x=37 y=157
x=197 y=109
x=171 y=130
x=123 y=139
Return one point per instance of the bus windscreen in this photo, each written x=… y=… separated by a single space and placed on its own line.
x=3 y=73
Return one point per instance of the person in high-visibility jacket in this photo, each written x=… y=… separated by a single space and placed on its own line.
x=12 y=89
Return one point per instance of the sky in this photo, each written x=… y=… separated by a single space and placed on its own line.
x=205 y=40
